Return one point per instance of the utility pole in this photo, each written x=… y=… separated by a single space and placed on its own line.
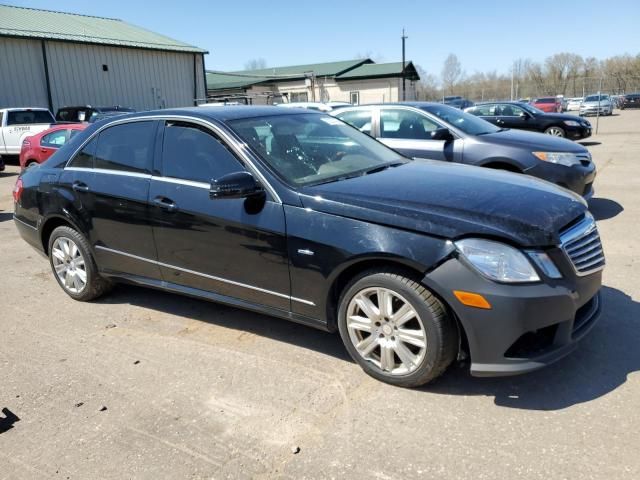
x=404 y=91
x=513 y=66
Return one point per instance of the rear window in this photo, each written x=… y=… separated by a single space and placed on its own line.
x=545 y=100
x=29 y=117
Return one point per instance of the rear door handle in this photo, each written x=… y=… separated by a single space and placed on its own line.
x=80 y=187
x=165 y=203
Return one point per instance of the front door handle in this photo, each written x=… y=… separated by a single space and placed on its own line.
x=80 y=186
x=165 y=203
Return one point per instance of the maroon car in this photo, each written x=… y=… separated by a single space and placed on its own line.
x=548 y=104
x=39 y=147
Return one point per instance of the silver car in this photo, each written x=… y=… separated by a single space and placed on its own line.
x=594 y=103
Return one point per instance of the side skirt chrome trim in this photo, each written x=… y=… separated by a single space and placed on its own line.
x=211 y=277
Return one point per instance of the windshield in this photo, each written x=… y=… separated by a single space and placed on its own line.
x=530 y=108
x=594 y=98
x=466 y=122
x=313 y=148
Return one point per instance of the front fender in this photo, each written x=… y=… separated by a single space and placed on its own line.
x=322 y=247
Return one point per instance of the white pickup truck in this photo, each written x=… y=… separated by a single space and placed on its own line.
x=18 y=123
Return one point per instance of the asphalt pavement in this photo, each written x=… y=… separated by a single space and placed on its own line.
x=146 y=384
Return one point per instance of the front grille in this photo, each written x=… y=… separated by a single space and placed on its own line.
x=581 y=243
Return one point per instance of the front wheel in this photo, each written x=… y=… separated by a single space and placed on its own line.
x=396 y=329
x=73 y=265
x=556 y=132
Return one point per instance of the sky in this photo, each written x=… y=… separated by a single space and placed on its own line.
x=485 y=35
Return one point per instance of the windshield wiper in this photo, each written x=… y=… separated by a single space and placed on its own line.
x=381 y=168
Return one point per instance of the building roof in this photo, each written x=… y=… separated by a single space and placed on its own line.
x=50 y=25
x=380 y=70
x=245 y=78
x=344 y=70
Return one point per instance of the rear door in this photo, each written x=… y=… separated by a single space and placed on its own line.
x=232 y=247
x=409 y=132
x=109 y=181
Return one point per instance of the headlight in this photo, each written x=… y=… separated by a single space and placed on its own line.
x=571 y=123
x=497 y=261
x=561 y=158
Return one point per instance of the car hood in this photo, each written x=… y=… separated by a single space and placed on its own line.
x=452 y=201
x=533 y=141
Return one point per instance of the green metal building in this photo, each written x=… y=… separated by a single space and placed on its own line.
x=55 y=59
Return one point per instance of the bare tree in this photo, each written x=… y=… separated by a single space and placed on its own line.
x=427 y=87
x=255 y=64
x=451 y=72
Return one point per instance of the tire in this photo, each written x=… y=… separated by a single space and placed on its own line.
x=30 y=163
x=556 y=131
x=74 y=267
x=410 y=345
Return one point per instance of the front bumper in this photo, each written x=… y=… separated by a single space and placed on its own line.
x=529 y=326
x=578 y=133
x=578 y=178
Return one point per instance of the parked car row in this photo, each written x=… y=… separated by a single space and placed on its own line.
x=298 y=215
x=527 y=117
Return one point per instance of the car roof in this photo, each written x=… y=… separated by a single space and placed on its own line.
x=221 y=114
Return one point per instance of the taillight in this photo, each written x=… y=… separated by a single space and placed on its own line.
x=17 y=190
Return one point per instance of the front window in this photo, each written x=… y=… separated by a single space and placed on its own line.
x=508 y=110
x=29 y=117
x=308 y=149
x=399 y=123
x=469 y=124
x=192 y=152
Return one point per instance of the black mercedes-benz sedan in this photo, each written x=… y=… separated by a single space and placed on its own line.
x=527 y=117
x=301 y=216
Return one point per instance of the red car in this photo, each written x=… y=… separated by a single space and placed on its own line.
x=548 y=104
x=39 y=147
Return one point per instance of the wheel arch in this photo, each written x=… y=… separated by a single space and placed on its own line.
x=340 y=279
x=50 y=224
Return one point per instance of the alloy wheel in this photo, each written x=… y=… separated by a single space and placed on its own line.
x=386 y=330
x=556 y=132
x=69 y=264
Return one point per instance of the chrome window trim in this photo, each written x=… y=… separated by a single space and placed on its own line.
x=110 y=171
x=237 y=147
x=211 y=277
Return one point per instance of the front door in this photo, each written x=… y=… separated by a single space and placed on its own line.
x=409 y=133
x=512 y=116
x=232 y=247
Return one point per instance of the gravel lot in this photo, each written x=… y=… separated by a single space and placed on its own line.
x=144 y=384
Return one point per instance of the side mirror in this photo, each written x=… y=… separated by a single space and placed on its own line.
x=235 y=185
x=442 y=134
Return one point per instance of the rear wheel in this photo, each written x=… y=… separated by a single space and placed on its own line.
x=395 y=329
x=31 y=163
x=73 y=265
x=555 y=131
